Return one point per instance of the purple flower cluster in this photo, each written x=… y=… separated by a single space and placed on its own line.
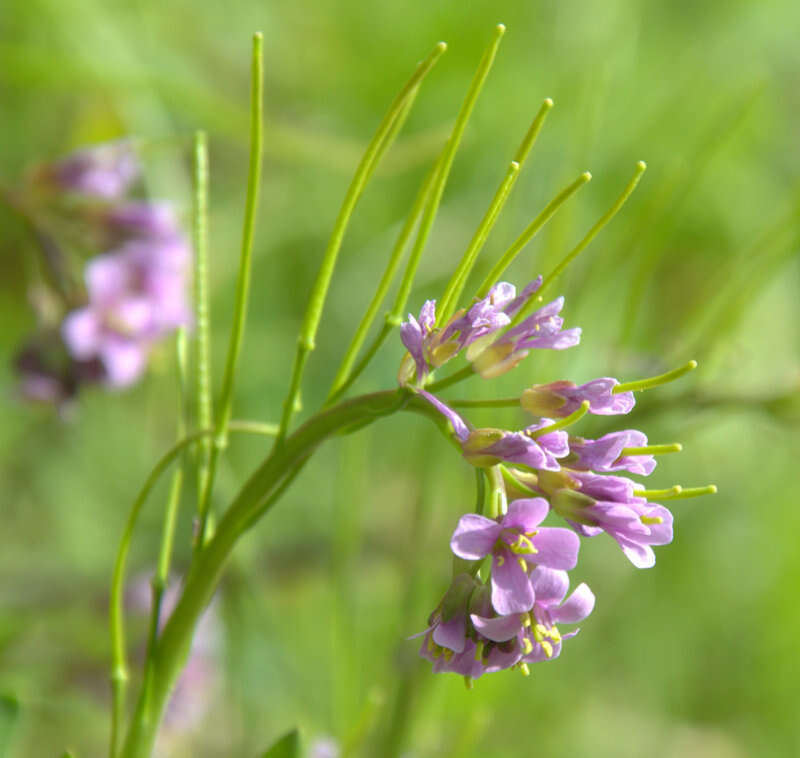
x=478 y=329
x=510 y=619
x=136 y=291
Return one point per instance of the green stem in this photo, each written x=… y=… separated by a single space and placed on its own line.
x=202 y=338
x=584 y=243
x=480 y=490
x=514 y=482
x=119 y=666
x=498 y=504
x=448 y=381
x=674 y=447
x=640 y=385
x=243 y=280
x=369 y=162
x=564 y=422
x=345 y=376
x=254 y=499
x=160 y=578
x=501 y=402
x=369 y=354
x=442 y=171
x=677 y=492
x=458 y=281
x=530 y=232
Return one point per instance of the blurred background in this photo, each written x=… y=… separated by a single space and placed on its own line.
x=696 y=657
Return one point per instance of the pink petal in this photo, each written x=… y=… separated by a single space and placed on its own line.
x=549 y=585
x=557 y=548
x=474 y=536
x=578 y=606
x=81 y=331
x=526 y=514
x=499 y=628
x=511 y=587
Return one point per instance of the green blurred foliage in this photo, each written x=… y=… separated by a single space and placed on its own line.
x=697 y=657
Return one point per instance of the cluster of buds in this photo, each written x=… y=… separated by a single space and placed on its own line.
x=510 y=617
x=135 y=289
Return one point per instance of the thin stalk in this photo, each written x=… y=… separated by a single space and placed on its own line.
x=498 y=502
x=674 y=447
x=500 y=402
x=119 y=665
x=458 y=376
x=243 y=280
x=365 y=170
x=641 y=166
x=458 y=281
x=442 y=170
x=640 y=385
x=345 y=376
x=480 y=490
x=677 y=492
x=253 y=501
x=562 y=423
x=202 y=334
x=159 y=580
x=530 y=232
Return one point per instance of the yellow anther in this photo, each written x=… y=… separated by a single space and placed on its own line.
x=523 y=564
x=448 y=654
x=523 y=667
x=539 y=632
x=526 y=619
x=555 y=635
x=651 y=520
x=500 y=559
x=547 y=647
x=527 y=646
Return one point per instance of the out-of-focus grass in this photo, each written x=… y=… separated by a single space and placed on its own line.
x=697 y=657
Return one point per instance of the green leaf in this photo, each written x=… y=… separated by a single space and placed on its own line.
x=9 y=713
x=287 y=746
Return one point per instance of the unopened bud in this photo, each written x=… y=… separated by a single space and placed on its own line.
x=572 y=505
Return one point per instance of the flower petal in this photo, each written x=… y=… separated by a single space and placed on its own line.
x=526 y=513
x=557 y=548
x=511 y=587
x=474 y=536
x=499 y=628
x=549 y=585
x=577 y=607
x=451 y=634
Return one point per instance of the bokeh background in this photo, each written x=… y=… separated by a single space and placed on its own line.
x=696 y=657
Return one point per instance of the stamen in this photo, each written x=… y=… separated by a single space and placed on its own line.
x=654 y=381
x=674 y=447
x=526 y=619
x=561 y=424
x=523 y=667
x=650 y=520
x=523 y=565
x=527 y=646
x=547 y=647
x=448 y=654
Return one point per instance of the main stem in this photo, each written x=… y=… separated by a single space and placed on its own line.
x=254 y=499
